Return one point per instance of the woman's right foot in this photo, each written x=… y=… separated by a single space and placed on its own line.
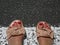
x=44 y=33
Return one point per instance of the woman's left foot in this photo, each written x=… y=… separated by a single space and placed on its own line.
x=15 y=33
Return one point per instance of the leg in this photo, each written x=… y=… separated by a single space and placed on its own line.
x=44 y=41
x=16 y=40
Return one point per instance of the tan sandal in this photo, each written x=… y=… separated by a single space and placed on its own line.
x=44 y=33
x=15 y=33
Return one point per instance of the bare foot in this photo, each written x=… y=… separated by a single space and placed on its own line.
x=15 y=33
x=44 y=33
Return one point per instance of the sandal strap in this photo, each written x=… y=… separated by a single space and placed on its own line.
x=18 y=32
x=48 y=35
